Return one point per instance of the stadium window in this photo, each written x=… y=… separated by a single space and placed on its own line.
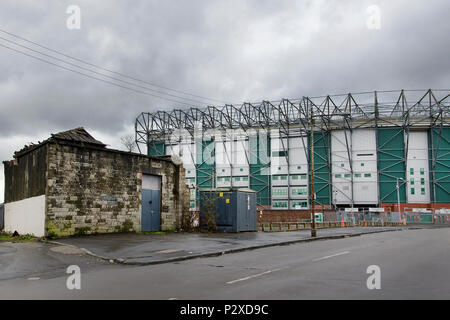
x=274 y=177
x=411 y=171
x=422 y=181
x=364 y=154
x=367 y=175
x=413 y=191
x=279 y=154
x=411 y=181
x=299 y=167
x=295 y=177
x=347 y=175
x=362 y=164
x=357 y=175
x=244 y=178
x=422 y=171
x=337 y=175
x=303 y=176
x=283 y=177
x=422 y=191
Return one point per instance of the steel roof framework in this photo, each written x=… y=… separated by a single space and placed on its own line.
x=292 y=117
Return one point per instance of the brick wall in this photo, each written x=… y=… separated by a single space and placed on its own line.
x=283 y=215
x=94 y=190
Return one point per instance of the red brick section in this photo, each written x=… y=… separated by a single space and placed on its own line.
x=290 y=216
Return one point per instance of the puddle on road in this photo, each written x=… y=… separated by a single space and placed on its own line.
x=66 y=250
x=169 y=251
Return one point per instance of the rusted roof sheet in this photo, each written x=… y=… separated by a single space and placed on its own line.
x=77 y=135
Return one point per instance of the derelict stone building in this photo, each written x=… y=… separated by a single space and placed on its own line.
x=72 y=184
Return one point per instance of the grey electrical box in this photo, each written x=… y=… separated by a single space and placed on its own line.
x=234 y=210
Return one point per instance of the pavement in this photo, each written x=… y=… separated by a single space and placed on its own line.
x=35 y=260
x=413 y=264
x=141 y=249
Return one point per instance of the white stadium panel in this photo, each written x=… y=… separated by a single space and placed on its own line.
x=364 y=189
x=340 y=167
x=365 y=174
x=417 y=171
x=223 y=157
x=240 y=157
x=223 y=182
x=297 y=156
x=278 y=155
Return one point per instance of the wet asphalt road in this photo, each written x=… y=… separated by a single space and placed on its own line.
x=414 y=264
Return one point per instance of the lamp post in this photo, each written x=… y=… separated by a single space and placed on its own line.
x=313 y=214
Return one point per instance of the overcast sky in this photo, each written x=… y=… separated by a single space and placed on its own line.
x=230 y=50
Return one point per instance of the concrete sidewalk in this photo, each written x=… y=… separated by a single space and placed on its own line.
x=140 y=249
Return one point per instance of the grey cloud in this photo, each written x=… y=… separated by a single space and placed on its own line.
x=230 y=50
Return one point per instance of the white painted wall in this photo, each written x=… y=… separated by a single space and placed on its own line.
x=26 y=216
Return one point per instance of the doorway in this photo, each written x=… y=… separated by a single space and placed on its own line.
x=151 y=199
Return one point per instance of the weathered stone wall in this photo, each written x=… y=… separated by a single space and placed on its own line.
x=95 y=190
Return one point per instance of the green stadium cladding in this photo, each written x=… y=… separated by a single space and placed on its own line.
x=364 y=146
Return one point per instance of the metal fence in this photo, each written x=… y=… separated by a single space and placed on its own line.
x=435 y=217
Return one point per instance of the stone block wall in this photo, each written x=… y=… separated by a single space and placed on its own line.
x=96 y=190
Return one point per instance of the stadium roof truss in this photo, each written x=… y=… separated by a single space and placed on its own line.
x=292 y=117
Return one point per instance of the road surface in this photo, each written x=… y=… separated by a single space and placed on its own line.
x=414 y=264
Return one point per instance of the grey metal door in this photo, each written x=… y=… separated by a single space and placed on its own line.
x=151 y=197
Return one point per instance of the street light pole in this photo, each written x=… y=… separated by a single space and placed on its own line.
x=398 y=198
x=313 y=214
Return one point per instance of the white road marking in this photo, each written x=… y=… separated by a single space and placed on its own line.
x=333 y=255
x=255 y=275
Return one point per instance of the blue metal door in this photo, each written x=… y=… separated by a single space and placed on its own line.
x=150 y=210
